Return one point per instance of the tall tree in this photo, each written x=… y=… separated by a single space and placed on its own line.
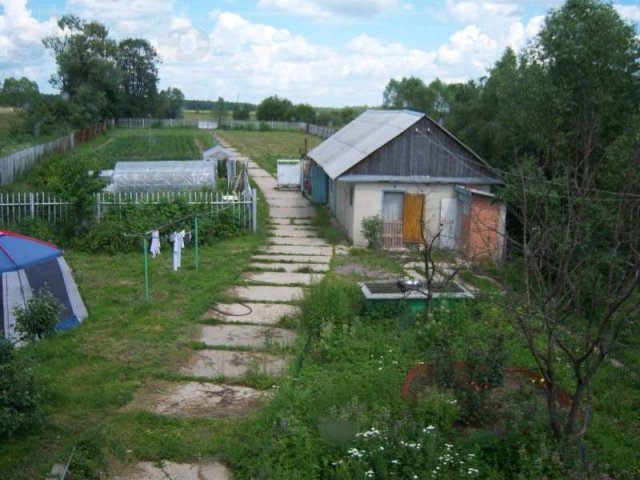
x=137 y=62
x=580 y=242
x=86 y=58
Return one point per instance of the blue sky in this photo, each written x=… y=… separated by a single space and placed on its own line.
x=323 y=52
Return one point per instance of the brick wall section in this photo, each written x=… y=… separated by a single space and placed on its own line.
x=479 y=230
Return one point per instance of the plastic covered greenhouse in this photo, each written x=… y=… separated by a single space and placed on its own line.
x=163 y=175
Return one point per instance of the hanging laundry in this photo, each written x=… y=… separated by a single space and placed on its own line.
x=178 y=244
x=155 y=243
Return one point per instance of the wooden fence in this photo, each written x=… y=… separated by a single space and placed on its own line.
x=18 y=207
x=12 y=165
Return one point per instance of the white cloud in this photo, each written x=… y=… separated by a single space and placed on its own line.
x=631 y=13
x=21 y=49
x=126 y=18
x=324 y=9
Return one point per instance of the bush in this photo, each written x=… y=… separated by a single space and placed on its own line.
x=40 y=316
x=6 y=351
x=372 y=231
x=19 y=399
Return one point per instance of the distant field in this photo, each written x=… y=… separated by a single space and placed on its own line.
x=198 y=115
x=267 y=147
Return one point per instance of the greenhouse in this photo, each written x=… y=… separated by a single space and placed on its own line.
x=165 y=175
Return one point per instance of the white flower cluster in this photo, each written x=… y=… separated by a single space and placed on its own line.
x=372 y=432
x=429 y=429
x=413 y=445
x=355 y=453
x=369 y=473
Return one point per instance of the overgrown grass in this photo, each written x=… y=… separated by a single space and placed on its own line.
x=11 y=142
x=327 y=227
x=268 y=146
x=347 y=378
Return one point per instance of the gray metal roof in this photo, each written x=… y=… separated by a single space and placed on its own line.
x=360 y=138
x=420 y=179
x=218 y=152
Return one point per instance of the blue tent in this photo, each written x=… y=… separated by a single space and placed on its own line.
x=27 y=265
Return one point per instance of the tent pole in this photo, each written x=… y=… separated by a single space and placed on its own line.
x=195 y=221
x=146 y=269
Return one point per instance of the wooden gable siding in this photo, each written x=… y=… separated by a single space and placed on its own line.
x=434 y=154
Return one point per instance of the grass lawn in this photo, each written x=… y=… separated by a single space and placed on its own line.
x=267 y=147
x=91 y=372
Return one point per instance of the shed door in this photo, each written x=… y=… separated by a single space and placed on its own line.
x=448 y=223
x=412 y=217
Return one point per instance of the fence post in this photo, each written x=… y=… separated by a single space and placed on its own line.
x=97 y=197
x=254 y=209
x=32 y=207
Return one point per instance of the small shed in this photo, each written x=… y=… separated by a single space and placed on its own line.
x=163 y=175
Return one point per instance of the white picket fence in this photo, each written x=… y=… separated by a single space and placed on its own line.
x=18 y=207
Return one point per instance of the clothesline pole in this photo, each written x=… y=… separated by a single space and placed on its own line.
x=146 y=269
x=195 y=228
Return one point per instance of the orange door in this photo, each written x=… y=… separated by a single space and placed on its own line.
x=412 y=217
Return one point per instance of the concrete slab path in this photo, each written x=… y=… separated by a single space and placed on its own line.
x=246 y=336
x=298 y=250
x=176 y=471
x=232 y=364
x=321 y=259
x=256 y=313
x=289 y=267
x=284 y=278
x=267 y=294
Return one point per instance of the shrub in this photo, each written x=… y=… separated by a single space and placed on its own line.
x=6 y=351
x=40 y=316
x=19 y=399
x=372 y=231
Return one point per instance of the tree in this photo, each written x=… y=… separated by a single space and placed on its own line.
x=242 y=112
x=304 y=112
x=19 y=94
x=30 y=107
x=580 y=243
x=170 y=103
x=220 y=110
x=137 y=62
x=86 y=59
x=410 y=93
x=274 y=108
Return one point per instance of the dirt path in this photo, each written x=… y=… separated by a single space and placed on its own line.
x=199 y=145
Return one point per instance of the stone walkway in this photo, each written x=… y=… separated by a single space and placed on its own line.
x=242 y=338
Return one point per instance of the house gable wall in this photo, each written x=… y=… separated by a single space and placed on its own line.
x=425 y=149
